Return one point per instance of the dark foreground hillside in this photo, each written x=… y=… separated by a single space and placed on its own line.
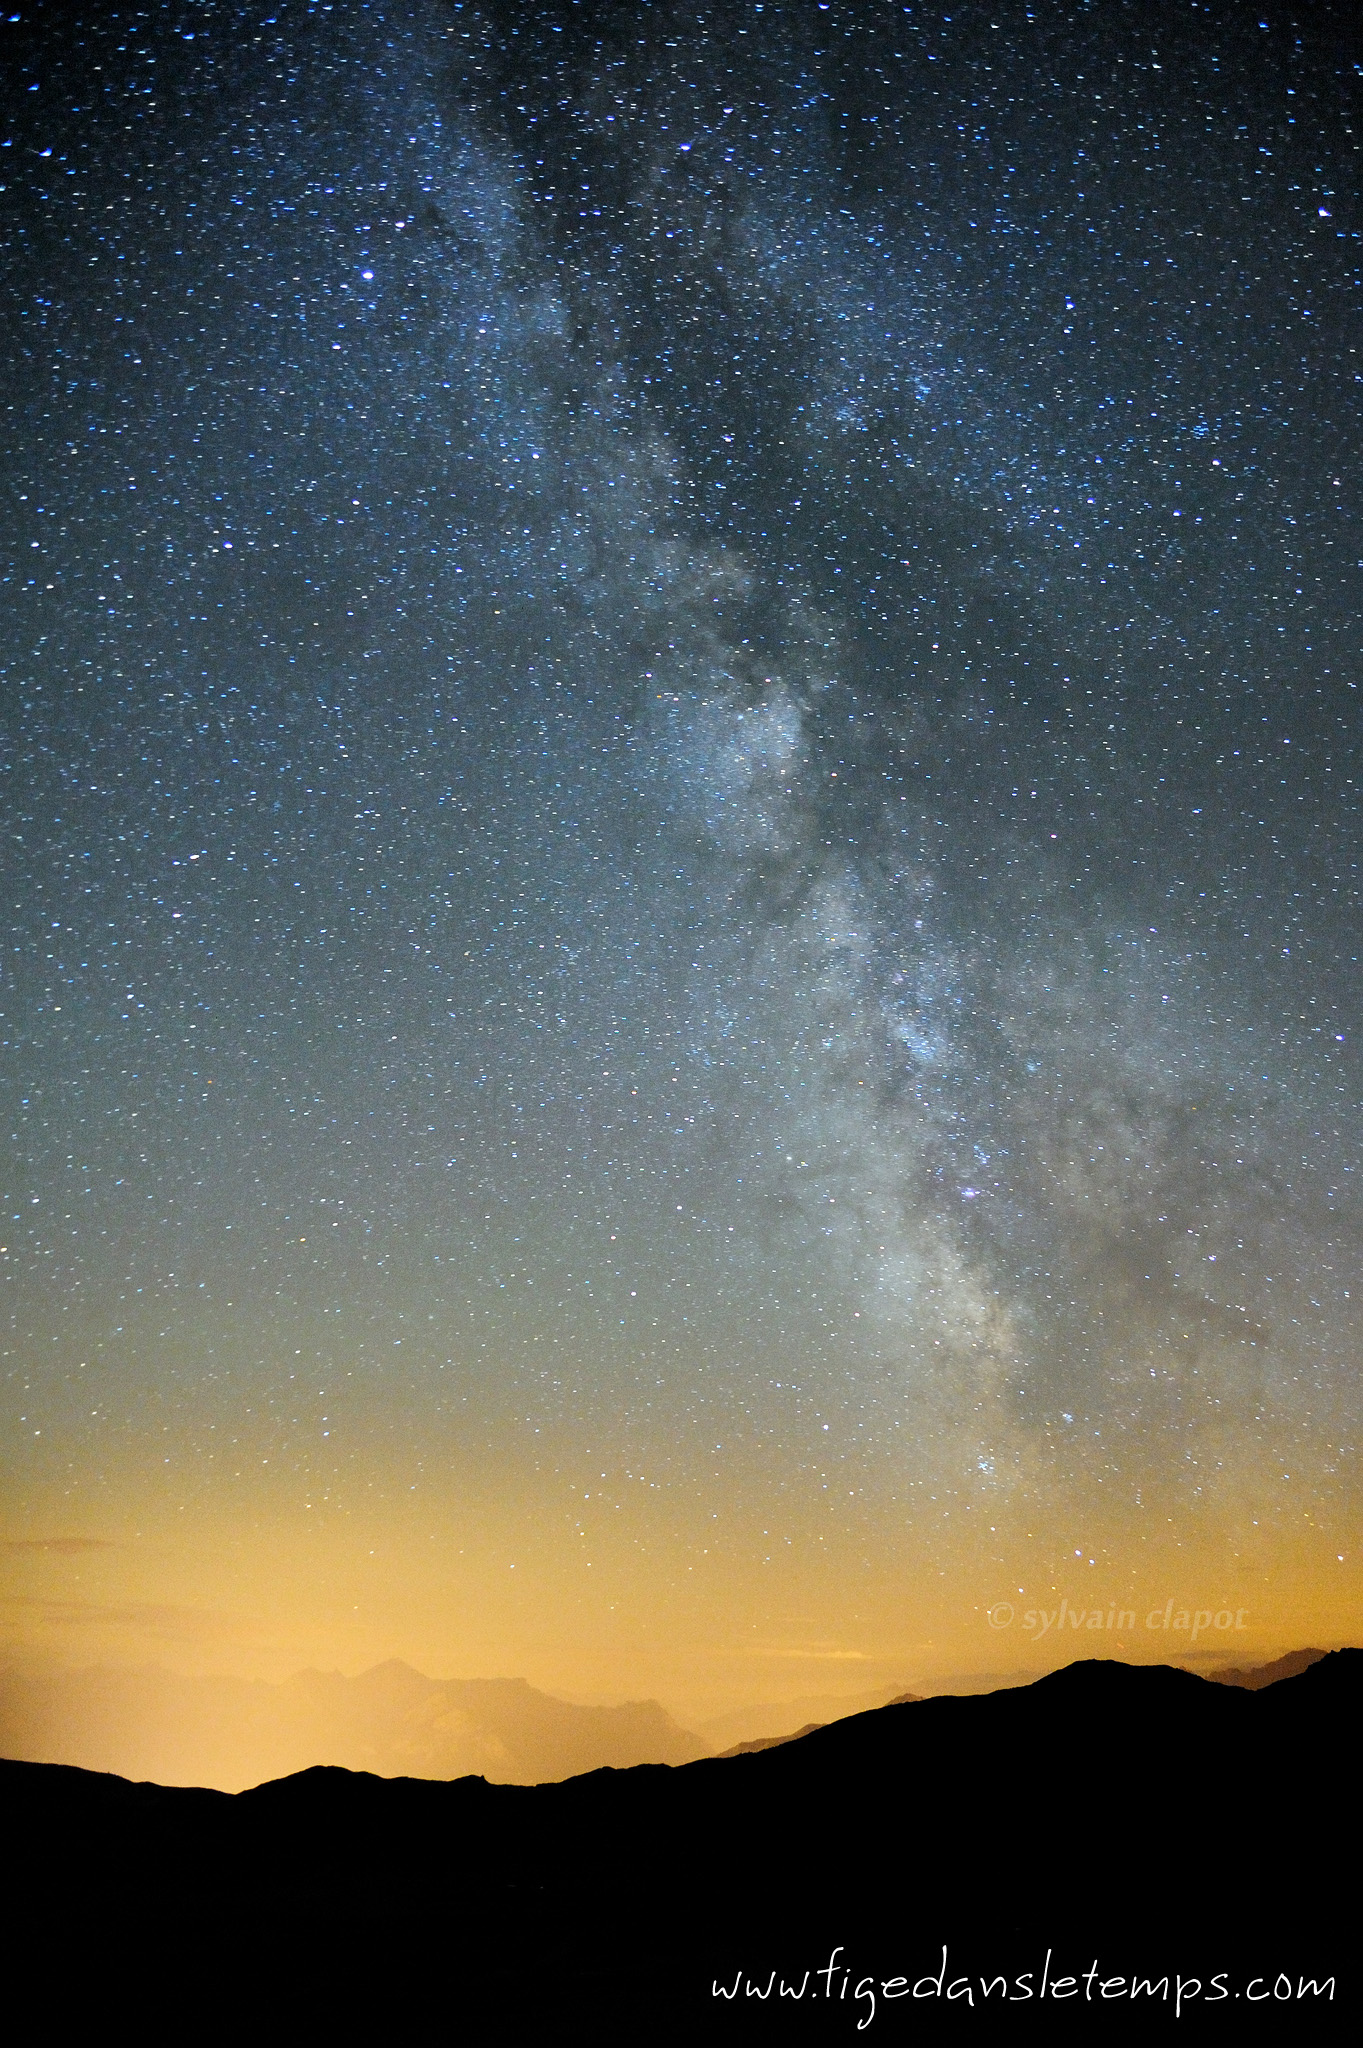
x=1098 y=1841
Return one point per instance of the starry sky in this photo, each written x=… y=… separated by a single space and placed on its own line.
x=680 y=740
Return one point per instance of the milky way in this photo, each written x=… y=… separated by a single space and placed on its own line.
x=680 y=737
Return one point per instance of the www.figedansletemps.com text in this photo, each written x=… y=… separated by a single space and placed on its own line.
x=1100 y=1983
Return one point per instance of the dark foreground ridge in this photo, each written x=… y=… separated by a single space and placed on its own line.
x=1139 y=1818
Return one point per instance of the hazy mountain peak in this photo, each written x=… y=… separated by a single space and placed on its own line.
x=392 y=1721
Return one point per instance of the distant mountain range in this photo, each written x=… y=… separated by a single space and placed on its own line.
x=1257 y=1675
x=231 y=1733
x=1109 y=1833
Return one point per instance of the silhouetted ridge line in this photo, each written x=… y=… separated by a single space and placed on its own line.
x=1139 y=1815
x=1256 y=1676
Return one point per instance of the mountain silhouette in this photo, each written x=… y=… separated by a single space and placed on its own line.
x=231 y=1733
x=773 y=1741
x=1140 y=1820
x=1254 y=1676
x=903 y=1699
x=757 y=1723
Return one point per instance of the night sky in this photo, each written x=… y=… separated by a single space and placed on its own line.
x=680 y=731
